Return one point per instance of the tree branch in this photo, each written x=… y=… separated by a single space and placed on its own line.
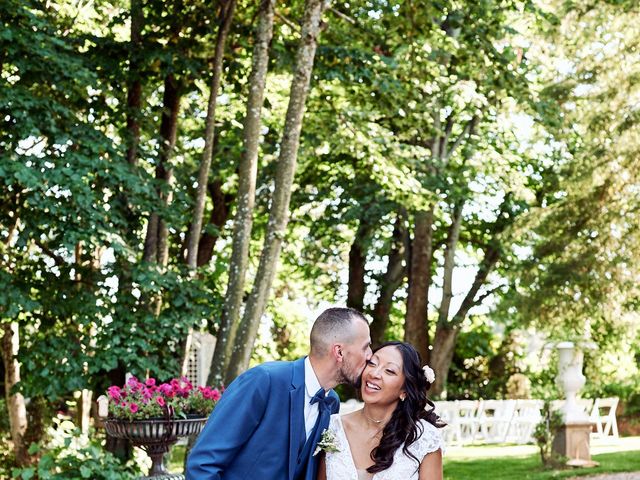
x=486 y=294
x=343 y=16
x=57 y=258
x=469 y=129
x=286 y=21
x=444 y=140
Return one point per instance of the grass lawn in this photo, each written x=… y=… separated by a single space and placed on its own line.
x=522 y=462
x=512 y=462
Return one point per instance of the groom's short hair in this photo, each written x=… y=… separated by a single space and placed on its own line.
x=334 y=325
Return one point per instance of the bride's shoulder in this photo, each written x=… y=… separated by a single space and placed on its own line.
x=430 y=438
x=334 y=420
x=347 y=419
x=428 y=426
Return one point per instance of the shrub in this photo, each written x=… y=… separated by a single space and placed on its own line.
x=70 y=456
x=544 y=434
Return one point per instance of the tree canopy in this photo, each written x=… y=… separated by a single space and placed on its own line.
x=463 y=172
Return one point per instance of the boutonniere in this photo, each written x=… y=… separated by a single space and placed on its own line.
x=327 y=442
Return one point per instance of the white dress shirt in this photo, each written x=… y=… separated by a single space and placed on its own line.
x=311 y=386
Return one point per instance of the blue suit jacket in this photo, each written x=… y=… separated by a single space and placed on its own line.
x=256 y=430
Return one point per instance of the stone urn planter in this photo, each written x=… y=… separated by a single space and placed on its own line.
x=573 y=440
x=155 y=437
x=153 y=417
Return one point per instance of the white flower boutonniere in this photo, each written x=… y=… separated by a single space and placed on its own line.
x=327 y=442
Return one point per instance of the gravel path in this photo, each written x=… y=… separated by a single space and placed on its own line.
x=611 y=476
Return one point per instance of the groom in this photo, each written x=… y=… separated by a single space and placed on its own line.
x=268 y=421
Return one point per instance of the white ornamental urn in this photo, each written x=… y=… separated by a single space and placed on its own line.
x=571 y=380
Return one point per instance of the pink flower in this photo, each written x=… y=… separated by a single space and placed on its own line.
x=150 y=382
x=133 y=407
x=160 y=401
x=115 y=393
x=167 y=390
x=215 y=394
x=187 y=384
x=133 y=381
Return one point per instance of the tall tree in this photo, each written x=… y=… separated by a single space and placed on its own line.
x=225 y=17
x=279 y=211
x=246 y=191
x=134 y=90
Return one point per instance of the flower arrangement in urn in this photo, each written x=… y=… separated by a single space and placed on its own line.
x=178 y=398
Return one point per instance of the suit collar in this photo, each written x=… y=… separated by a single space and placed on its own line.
x=297 y=377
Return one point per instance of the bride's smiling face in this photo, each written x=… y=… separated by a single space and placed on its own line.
x=383 y=377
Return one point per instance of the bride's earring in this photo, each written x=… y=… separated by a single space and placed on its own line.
x=402 y=397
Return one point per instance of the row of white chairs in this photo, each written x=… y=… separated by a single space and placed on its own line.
x=514 y=421
x=508 y=421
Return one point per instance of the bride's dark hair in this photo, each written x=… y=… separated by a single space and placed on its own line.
x=404 y=427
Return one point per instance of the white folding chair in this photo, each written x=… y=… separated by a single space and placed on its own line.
x=467 y=425
x=494 y=420
x=350 y=405
x=525 y=418
x=448 y=412
x=603 y=415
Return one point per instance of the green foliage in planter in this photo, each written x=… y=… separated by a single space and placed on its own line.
x=544 y=434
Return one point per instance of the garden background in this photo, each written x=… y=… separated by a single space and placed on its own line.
x=466 y=173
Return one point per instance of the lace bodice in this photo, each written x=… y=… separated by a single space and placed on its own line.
x=340 y=464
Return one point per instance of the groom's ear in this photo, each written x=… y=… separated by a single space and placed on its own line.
x=336 y=352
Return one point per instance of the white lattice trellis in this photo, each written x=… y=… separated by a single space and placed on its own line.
x=200 y=355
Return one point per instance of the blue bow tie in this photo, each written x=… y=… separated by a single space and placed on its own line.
x=323 y=400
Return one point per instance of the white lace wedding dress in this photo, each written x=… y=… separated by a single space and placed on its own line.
x=340 y=464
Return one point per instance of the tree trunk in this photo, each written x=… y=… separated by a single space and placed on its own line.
x=15 y=402
x=85 y=332
x=357 y=262
x=416 y=319
x=449 y=264
x=150 y=252
x=168 y=133
x=279 y=211
x=444 y=346
x=391 y=280
x=156 y=245
x=134 y=94
x=226 y=15
x=248 y=169
x=447 y=331
x=219 y=214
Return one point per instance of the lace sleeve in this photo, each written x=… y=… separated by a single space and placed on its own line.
x=429 y=441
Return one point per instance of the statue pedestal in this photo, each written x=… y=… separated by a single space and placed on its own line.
x=573 y=442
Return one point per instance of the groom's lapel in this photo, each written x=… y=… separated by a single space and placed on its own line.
x=296 y=414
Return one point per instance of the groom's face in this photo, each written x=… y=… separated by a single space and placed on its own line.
x=356 y=353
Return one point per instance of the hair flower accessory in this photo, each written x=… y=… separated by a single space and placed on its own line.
x=429 y=373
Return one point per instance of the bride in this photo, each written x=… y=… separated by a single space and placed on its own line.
x=394 y=436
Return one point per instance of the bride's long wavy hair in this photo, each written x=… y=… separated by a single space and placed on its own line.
x=404 y=427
